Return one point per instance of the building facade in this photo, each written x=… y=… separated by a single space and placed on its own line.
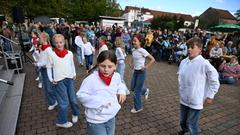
x=145 y=15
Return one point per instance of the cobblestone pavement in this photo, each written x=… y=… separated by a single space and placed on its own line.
x=159 y=117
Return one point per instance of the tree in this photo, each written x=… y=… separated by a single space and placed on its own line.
x=72 y=10
x=167 y=22
x=237 y=14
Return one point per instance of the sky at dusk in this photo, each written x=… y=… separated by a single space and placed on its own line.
x=193 y=7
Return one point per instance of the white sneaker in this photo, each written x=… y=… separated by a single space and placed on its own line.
x=51 y=107
x=136 y=111
x=74 y=119
x=65 y=125
x=37 y=79
x=146 y=94
x=39 y=85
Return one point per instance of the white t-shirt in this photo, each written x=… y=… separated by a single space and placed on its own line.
x=88 y=49
x=139 y=57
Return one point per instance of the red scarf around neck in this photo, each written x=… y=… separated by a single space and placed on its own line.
x=45 y=47
x=106 y=80
x=35 y=40
x=61 y=53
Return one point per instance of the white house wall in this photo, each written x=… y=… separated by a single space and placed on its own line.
x=110 y=23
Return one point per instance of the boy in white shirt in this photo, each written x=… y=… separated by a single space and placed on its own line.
x=198 y=83
x=63 y=78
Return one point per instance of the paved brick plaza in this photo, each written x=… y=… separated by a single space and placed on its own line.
x=159 y=117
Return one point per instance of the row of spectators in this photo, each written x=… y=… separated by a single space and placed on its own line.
x=162 y=44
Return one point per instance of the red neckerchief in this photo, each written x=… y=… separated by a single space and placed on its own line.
x=61 y=53
x=106 y=80
x=45 y=47
x=35 y=40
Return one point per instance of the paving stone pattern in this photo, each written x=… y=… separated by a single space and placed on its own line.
x=159 y=117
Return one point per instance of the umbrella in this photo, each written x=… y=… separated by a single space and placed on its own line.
x=226 y=28
x=42 y=19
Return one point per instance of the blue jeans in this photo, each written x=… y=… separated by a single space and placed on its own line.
x=93 y=42
x=89 y=61
x=48 y=88
x=121 y=70
x=137 y=85
x=226 y=80
x=7 y=46
x=107 y=128
x=189 y=119
x=65 y=96
x=79 y=55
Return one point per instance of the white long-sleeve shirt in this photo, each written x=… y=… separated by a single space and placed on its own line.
x=100 y=101
x=198 y=79
x=43 y=57
x=78 y=41
x=88 y=49
x=103 y=48
x=35 y=54
x=120 y=55
x=61 y=67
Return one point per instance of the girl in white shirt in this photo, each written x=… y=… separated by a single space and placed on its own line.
x=48 y=88
x=102 y=44
x=78 y=41
x=120 y=53
x=88 y=51
x=139 y=56
x=61 y=65
x=36 y=54
x=198 y=83
x=103 y=98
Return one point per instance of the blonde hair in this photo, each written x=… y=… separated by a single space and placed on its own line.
x=59 y=36
x=119 y=42
x=42 y=36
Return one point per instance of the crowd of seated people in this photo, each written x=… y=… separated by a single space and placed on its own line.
x=225 y=57
x=229 y=73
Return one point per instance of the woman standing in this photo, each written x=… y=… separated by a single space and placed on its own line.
x=139 y=56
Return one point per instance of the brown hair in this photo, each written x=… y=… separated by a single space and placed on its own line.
x=195 y=41
x=103 y=38
x=107 y=55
